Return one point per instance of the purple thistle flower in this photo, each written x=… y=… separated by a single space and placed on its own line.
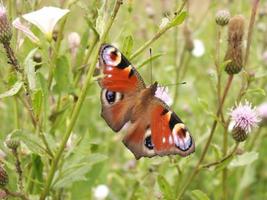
x=163 y=94
x=244 y=117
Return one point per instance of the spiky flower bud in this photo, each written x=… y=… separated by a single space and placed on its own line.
x=234 y=53
x=5 y=28
x=239 y=134
x=3 y=177
x=222 y=17
x=12 y=144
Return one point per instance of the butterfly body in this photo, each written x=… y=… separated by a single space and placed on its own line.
x=152 y=128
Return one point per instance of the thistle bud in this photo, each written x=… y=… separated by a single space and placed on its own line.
x=239 y=134
x=5 y=28
x=37 y=58
x=3 y=177
x=234 y=53
x=222 y=17
x=12 y=144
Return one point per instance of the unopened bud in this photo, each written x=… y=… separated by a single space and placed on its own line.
x=3 y=177
x=222 y=17
x=5 y=28
x=12 y=144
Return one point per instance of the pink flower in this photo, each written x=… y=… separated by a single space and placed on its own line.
x=162 y=93
x=244 y=117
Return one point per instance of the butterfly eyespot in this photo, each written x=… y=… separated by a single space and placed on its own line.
x=110 y=96
x=148 y=143
x=111 y=56
x=182 y=138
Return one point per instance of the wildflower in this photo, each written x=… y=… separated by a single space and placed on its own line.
x=101 y=192
x=234 y=53
x=5 y=29
x=162 y=93
x=46 y=18
x=199 y=48
x=262 y=110
x=243 y=119
x=164 y=22
x=3 y=177
x=18 y=25
x=222 y=17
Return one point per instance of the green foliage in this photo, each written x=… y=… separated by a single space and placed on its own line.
x=41 y=105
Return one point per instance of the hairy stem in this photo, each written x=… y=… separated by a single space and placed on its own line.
x=16 y=194
x=80 y=101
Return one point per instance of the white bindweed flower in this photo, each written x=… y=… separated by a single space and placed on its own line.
x=46 y=18
x=18 y=25
x=162 y=93
x=164 y=22
x=101 y=192
x=199 y=48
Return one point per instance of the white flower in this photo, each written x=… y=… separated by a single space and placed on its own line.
x=101 y=192
x=18 y=25
x=46 y=18
x=162 y=93
x=199 y=48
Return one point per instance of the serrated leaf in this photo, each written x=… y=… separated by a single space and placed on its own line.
x=76 y=171
x=165 y=188
x=13 y=90
x=179 y=19
x=152 y=58
x=244 y=159
x=30 y=69
x=37 y=101
x=62 y=76
x=199 y=195
x=127 y=45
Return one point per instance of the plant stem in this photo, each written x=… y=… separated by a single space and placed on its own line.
x=80 y=101
x=157 y=35
x=255 y=5
x=226 y=157
x=16 y=112
x=203 y=154
x=18 y=169
x=16 y=194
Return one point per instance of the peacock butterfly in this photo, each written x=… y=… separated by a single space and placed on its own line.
x=153 y=128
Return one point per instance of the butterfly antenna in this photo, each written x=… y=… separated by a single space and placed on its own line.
x=174 y=84
x=151 y=67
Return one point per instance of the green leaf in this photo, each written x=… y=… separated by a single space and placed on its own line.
x=37 y=101
x=179 y=19
x=152 y=58
x=199 y=195
x=13 y=90
x=165 y=188
x=127 y=45
x=62 y=76
x=244 y=159
x=30 y=140
x=30 y=69
x=82 y=49
x=257 y=91
x=37 y=172
x=76 y=171
x=100 y=20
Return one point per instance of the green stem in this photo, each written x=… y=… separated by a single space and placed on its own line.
x=80 y=101
x=157 y=35
x=250 y=28
x=226 y=157
x=203 y=154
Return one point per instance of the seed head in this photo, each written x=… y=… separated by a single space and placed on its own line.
x=234 y=53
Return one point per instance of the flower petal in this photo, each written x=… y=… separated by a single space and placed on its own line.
x=18 y=25
x=46 y=18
